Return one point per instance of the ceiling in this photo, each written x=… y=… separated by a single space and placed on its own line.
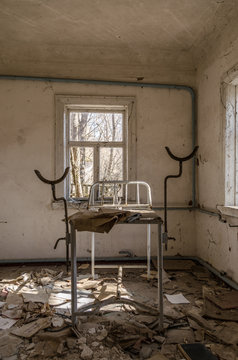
x=94 y=38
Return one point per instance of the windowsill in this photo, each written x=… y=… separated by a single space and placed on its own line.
x=228 y=210
x=70 y=204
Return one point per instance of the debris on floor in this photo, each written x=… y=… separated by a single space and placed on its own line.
x=117 y=319
x=177 y=299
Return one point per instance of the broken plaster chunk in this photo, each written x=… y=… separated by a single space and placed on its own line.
x=87 y=353
x=39 y=296
x=103 y=334
x=176 y=336
x=57 y=321
x=60 y=348
x=95 y=344
x=45 y=349
x=30 y=346
x=71 y=342
x=92 y=331
x=145 y=352
x=159 y=339
x=82 y=340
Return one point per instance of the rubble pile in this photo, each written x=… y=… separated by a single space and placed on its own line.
x=118 y=320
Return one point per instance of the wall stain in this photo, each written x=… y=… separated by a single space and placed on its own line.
x=21 y=139
x=203 y=161
x=210 y=239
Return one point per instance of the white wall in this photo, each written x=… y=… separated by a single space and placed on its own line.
x=27 y=143
x=216 y=242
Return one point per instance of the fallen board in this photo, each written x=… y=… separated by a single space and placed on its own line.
x=196 y=352
x=226 y=301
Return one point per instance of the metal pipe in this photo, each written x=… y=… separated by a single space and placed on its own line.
x=113 y=266
x=79 y=259
x=160 y=208
x=208 y=212
x=93 y=256
x=73 y=274
x=160 y=277
x=165 y=194
x=125 y=83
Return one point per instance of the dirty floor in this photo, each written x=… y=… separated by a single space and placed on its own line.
x=118 y=316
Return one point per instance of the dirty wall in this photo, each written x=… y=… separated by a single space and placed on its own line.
x=29 y=224
x=216 y=241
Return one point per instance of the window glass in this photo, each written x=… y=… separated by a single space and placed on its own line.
x=96 y=126
x=81 y=171
x=91 y=137
x=111 y=163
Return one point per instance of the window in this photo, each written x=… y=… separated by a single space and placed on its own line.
x=95 y=137
x=97 y=147
x=231 y=142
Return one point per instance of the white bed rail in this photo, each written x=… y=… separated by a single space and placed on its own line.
x=118 y=194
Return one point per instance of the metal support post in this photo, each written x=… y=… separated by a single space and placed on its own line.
x=73 y=274
x=93 y=255
x=160 y=276
x=148 y=250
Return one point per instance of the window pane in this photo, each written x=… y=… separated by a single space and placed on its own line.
x=96 y=126
x=111 y=163
x=81 y=171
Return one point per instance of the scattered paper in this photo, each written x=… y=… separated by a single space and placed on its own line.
x=87 y=285
x=6 y=323
x=59 y=298
x=81 y=301
x=177 y=299
x=109 y=290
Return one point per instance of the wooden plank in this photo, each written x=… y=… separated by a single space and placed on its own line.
x=226 y=301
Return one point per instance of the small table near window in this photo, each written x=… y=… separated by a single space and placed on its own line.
x=101 y=219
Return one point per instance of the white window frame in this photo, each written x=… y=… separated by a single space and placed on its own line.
x=229 y=104
x=64 y=104
x=231 y=143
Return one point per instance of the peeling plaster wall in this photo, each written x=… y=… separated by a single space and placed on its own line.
x=216 y=242
x=29 y=225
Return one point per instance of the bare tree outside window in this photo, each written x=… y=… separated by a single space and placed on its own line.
x=97 y=147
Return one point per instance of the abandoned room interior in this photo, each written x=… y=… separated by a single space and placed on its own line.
x=119 y=179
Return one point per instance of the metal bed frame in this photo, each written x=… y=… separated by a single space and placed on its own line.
x=123 y=202
x=116 y=202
